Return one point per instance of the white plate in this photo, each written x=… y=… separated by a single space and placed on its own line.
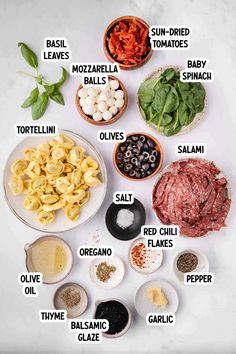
x=155 y=258
x=61 y=223
x=144 y=306
x=203 y=264
x=116 y=277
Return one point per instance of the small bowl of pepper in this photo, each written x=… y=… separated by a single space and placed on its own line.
x=189 y=261
x=126 y=42
x=139 y=157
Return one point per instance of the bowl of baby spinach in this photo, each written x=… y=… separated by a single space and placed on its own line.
x=169 y=106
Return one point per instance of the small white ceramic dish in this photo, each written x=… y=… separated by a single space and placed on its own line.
x=202 y=266
x=154 y=258
x=75 y=311
x=61 y=223
x=143 y=305
x=116 y=277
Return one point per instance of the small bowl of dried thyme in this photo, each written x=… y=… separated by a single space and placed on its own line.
x=71 y=297
x=107 y=272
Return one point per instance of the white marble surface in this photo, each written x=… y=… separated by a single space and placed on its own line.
x=206 y=320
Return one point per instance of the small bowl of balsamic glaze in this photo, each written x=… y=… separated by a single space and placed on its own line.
x=117 y=314
x=139 y=157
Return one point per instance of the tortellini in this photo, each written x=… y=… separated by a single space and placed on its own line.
x=54 y=176
x=32 y=203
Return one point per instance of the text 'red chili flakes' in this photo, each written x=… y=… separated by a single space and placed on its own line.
x=128 y=43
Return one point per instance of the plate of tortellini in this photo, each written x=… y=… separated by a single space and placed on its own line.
x=55 y=183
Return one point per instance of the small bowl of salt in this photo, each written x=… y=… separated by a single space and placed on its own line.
x=124 y=221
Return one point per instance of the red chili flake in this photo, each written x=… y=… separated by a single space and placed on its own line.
x=128 y=43
x=138 y=255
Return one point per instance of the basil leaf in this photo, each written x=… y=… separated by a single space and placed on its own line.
x=39 y=79
x=39 y=107
x=57 y=97
x=32 y=98
x=29 y=55
x=63 y=78
x=49 y=89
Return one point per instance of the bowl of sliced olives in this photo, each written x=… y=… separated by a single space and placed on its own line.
x=139 y=157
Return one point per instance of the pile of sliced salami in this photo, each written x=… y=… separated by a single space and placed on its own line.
x=192 y=195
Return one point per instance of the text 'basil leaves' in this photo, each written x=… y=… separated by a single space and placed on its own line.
x=29 y=55
x=39 y=107
x=32 y=98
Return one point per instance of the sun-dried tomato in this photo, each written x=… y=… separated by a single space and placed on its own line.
x=128 y=43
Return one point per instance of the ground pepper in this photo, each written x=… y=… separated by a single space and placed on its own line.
x=187 y=262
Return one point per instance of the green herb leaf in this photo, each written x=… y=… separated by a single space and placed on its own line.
x=32 y=98
x=29 y=55
x=57 y=97
x=39 y=79
x=63 y=78
x=49 y=88
x=39 y=107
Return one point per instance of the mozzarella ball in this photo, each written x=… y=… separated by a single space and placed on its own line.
x=112 y=92
x=97 y=116
x=119 y=103
x=80 y=92
x=92 y=92
x=114 y=84
x=98 y=99
x=113 y=110
x=107 y=115
x=82 y=102
x=102 y=106
x=83 y=93
x=110 y=102
x=119 y=94
x=88 y=110
x=90 y=101
x=104 y=95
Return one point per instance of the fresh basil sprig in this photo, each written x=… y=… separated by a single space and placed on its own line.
x=38 y=99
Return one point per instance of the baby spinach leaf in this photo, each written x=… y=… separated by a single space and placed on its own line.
x=57 y=97
x=166 y=119
x=146 y=90
x=31 y=98
x=39 y=107
x=29 y=55
x=183 y=113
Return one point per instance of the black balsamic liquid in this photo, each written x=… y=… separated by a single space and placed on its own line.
x=116 y=314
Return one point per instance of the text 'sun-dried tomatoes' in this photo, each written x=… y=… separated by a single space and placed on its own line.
x=128 y=42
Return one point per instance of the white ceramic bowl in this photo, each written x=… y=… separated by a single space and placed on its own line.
x=116 y=277
x=203 y=264
x=120 y=334
x=198 y=117
x=155 y=258
x=61 y=223
x=144 y=306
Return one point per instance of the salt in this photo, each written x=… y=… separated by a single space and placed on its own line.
x=125 y=218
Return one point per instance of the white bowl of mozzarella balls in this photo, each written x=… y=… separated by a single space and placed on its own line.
x=102 y=105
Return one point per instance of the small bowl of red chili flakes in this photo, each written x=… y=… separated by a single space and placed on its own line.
x=127 y=42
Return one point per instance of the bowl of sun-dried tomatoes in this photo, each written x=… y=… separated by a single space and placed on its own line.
x=127 y=42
